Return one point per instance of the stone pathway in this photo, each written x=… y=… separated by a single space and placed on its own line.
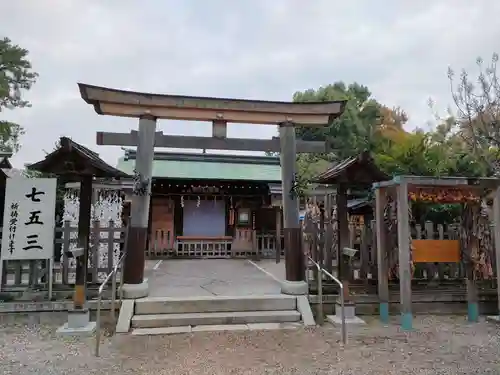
x=209 y=277
x=439 y=345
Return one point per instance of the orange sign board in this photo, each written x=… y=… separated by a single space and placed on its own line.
x=436 y=251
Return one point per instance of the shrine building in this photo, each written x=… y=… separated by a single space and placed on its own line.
x=207 y=205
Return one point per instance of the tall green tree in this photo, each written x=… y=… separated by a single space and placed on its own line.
x=440 y=152
x=354 y=130
x=365 y=125
x=16 y=77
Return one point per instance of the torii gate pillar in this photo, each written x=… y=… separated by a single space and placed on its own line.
x=133 y=274
x=294 y=258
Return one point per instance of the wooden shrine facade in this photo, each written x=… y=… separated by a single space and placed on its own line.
x=211 y=219
x=213 y=206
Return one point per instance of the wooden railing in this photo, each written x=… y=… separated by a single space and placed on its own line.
x=223 y=247
x=161 y=243
x=203 y=247
x=266 y=244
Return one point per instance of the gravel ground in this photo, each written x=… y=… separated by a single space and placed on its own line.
x=439 y=345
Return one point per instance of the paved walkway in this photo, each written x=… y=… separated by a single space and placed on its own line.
x=209 y=277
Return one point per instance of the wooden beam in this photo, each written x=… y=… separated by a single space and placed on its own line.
x=445 y=182
x=121 y=110
x=208 y=143
x=108 y=101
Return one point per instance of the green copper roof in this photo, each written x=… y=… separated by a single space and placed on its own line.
x=208 y=166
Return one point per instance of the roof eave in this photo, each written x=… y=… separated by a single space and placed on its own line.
x=49 y=163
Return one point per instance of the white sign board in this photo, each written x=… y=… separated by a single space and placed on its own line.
x=29 y=219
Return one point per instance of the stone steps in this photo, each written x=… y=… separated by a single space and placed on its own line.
x=165 y=305
x=214 y=318
x=215 y=328
x=164 y=315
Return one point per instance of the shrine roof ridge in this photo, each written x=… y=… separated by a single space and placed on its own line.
x=346 y=170
x=130 y=154
x=83 y=162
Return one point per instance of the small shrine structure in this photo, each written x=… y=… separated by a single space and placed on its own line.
x=355 y=173
x=476 y=248
x=358 y=172
x=72 y=162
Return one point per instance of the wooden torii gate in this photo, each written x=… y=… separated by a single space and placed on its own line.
x=150 y=107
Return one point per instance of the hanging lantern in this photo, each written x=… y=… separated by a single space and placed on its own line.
x=182 y=201
x=198 y=202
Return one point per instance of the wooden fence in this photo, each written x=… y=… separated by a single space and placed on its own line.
x=363 y=267
x=107 y=240
x=105 y=247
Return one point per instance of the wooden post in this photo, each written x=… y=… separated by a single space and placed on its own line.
x=404 y=256
x=329 y=234
x=294 y=259
x=322 y=239
x=496 y=223
x=363 y=253
x=66 y=238
x=278 y=234
x=343 y=238
x=95 y=245
x=111 y=246
x=471 y=286
x=373 y=249
x=430 y=268
x=83 y=242
x=255 y=244
x=136 y=246
x=381 y=236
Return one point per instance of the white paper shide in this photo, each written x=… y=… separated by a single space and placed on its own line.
x=29 y=219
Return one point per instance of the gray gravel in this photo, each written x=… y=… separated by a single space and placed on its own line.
x=439 y=345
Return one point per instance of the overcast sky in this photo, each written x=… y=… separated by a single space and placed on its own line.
x=261 y=49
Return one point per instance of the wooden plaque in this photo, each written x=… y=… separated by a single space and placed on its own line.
x=436 y=251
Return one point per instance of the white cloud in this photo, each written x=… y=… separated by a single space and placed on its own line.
x=259 y=49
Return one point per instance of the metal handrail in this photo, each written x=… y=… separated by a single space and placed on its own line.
x=112 y=276
x=319 y=313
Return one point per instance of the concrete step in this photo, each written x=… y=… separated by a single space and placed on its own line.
x=214 y=328
x=214 y=318
x=166 y=305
